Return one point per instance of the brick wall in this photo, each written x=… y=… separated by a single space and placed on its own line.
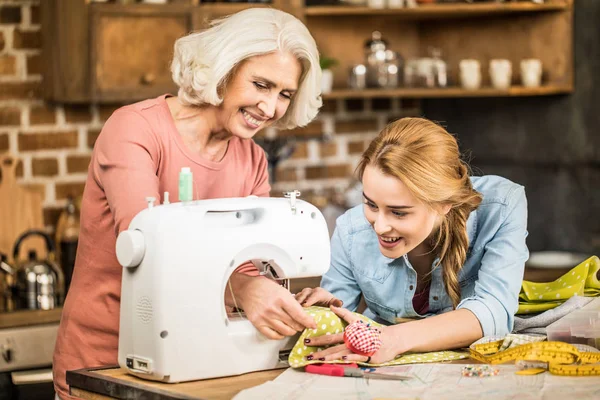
x=54 y=141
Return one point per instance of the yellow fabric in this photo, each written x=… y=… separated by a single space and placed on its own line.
x=328 y=323
x=581 y=281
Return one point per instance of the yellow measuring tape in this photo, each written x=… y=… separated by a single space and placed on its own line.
x=562 y=358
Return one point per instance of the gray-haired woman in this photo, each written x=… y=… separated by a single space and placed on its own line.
x=256 y=68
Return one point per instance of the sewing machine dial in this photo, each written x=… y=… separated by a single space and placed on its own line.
x=130 y=248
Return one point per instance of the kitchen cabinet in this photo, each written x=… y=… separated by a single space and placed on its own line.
x=112 y=52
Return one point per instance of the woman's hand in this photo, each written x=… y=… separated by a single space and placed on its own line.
x=317 y=296
x=272 y=309
x=387 y=351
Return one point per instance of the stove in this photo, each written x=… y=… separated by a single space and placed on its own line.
x=27 y=339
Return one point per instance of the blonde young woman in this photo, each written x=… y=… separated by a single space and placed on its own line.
x=254 y=69
x=430 y=243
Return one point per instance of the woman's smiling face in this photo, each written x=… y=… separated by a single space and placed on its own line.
x=259 y=93
x=399 y=219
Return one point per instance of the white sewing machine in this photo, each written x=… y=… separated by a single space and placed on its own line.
x=177 y=260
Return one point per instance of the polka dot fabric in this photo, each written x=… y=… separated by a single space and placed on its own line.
x=328 y=323
x=582 y=280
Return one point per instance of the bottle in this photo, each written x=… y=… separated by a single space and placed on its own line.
x=185 y=184
x=67 y=237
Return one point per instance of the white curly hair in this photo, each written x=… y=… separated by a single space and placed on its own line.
x=204 y=60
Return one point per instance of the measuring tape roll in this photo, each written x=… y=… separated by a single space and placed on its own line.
x=562 y=358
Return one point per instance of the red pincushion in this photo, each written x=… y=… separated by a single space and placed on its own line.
x=362 y=338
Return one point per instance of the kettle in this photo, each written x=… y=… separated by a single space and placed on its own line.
x=39 y=283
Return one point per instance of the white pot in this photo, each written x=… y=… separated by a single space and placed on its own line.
x=326 y=81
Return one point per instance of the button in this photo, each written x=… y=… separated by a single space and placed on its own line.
x=435 y=298
x=411 y=287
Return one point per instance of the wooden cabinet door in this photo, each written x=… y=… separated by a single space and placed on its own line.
x=132 y=48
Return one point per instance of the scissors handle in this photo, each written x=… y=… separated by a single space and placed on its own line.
x=329 y=369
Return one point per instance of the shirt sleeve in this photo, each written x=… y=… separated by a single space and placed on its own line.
x=496 y=296
x=339 y=280
x=126 y=165
x=261 y=188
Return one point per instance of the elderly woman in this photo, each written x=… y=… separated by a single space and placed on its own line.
x=254 y=69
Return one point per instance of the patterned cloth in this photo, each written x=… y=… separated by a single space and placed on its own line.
x=581 y=280
x=328 y=323
x=362 y=338
x=509 y=341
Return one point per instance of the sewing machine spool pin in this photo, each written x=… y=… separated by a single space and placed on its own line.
x=292 y=196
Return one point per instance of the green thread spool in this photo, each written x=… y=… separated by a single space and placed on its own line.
x=185 y=184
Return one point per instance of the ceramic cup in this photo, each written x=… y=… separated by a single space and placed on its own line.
x=376 y=3
x=531 y=72
x=470 y=74
x=500 y=73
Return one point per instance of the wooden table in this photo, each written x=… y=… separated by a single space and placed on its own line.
x=116 y=383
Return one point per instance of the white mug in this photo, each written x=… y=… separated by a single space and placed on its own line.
x=470 y=73
x=376 y=3
x=500 y=73
x=531 y=72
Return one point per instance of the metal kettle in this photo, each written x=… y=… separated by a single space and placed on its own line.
x=39 y=283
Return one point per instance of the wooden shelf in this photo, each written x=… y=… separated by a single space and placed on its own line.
x=436 y=10
x=425 y=93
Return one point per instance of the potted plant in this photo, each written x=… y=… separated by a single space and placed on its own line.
x=327 y=78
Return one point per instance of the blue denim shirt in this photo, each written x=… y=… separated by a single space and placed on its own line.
x=490 y=280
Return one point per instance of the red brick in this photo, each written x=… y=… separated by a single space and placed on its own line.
x=106 y=110
x=40 y=141
x=78 y=113
x=44 y=167
x=35 y=15
x=314 y=129
x=20 y=90
x=8 y=65
x=27 y=39
x=34 y=64
x=329 y=171
x=19 y=169
x=4 y=144
x=286 y=175
x=65 y=190
x=10 y=116
x=356 y=147
x=77 y=164
x=328 y=149
x=92 y=136
x=301 y=150
x=10 y=15
x=51 y=215
x=44 y=114
x=357 y=126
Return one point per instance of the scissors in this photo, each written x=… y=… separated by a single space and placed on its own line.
x=350 y=370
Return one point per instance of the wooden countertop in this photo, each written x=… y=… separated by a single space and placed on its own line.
x=116 y=383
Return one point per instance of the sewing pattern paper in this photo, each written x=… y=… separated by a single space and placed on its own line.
x=328 y=323
x=581 y=281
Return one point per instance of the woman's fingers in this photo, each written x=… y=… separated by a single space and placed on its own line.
x=301 y=296
x=331 y=353
x=282 y=327
x=324 y=340
x=345 y=314
x=269 y=333
x=296 y=316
